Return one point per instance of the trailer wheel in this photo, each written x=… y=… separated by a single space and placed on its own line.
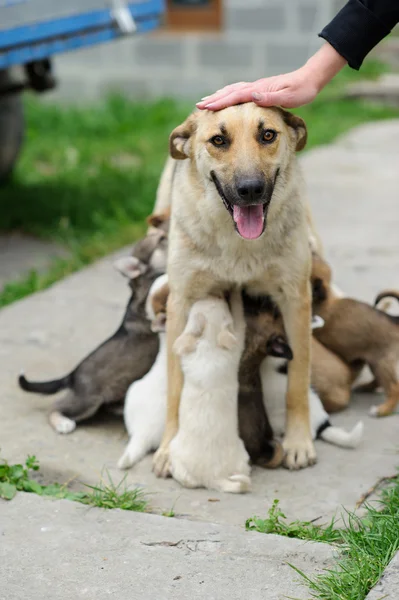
x=11 y=128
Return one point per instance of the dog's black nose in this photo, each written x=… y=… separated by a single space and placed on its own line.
x=251 y=189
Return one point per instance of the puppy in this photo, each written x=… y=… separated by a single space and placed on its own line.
x=145 y=404
x=240 y=217
x=207 y=451
x=104 y=376
x=263 y=326
x=359 y=334
x=274 y=384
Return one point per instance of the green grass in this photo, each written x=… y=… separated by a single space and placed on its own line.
x=87 y=176
x=17 y=478
x=366 y=545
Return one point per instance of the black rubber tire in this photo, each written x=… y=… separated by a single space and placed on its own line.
x=11 y=129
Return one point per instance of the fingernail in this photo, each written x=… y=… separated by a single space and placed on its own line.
x=204 y=98
x=257 y=96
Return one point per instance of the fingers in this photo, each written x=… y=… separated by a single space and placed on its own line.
x=221 y=95
x=280 y=98
x=235 y=97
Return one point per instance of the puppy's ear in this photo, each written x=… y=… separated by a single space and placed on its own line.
x=159 y=322
x=298 y=127
x=180 y=138
x=278 y=346
x=158 y=219
x=196 y=325
x=226 y=339
x=317 y=322
x=130 y=266
x=319 y=291
x=185 y=344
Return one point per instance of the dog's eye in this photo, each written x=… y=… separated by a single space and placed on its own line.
x=268 y=136
x=218 y=140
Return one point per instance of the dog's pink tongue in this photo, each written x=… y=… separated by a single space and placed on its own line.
x=249 y=220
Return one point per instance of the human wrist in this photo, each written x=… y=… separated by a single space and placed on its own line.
x=322 y=67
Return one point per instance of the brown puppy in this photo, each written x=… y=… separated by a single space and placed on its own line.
x=240 y=217
x=358 y=333
x=331 y=377
x=263 y=337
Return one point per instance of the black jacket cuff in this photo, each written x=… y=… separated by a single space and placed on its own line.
x=354 y=32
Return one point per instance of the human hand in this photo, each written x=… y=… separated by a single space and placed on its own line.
x=289 y=90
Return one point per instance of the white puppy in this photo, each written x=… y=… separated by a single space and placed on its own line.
x=273 y=372
x=207 y=451
x=145 y=404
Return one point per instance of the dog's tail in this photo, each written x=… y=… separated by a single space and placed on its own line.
x=340 y=437
x=235 y=484
x=45 y=387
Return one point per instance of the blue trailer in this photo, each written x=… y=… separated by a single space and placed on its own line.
x=33 y=31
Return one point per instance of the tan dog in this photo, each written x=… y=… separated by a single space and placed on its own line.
x=239 y=216
x=359 y=334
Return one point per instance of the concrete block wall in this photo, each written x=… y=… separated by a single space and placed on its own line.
x=258 y=38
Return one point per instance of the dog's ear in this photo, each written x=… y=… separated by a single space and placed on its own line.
x=159 y=322
x=319 y=291
x=298 y=126
x=278 y=346
x=180 y=138
x=130 y=266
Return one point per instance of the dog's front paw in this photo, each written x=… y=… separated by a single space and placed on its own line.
x=299 y=453
x=160 y=462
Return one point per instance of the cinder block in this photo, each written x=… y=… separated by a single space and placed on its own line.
x=307 y=17
x=219 y=53
x=262 y=19
x=151 y=51
x=285 y=56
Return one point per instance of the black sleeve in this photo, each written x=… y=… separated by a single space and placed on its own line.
x=359 y=26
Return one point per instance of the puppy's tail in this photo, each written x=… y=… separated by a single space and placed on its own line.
x=340 y=437
x=386 y=294
x=235 y=484
x=45 y=387
x=136 y=449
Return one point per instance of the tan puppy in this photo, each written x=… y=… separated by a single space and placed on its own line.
x=240 y=217
x=331 y=378
x=359 y=334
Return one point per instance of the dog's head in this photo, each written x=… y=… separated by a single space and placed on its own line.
x=244 y=152
x=320 y=279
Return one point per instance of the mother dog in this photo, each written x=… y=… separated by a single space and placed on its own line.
x=239 y=216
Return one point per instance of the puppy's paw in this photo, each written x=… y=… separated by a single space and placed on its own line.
x=161 y=463
x=373 y=412
x=61 y=424
x=299 y=453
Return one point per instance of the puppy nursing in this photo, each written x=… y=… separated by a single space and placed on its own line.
x=103 y=377
x=207 y=451
x=359 y=334
x=145 y=404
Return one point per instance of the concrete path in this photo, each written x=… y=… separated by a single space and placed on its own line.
x=69 y=551
x=353 y=187
x=20 y=254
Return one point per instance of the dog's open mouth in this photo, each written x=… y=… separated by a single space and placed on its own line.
x=249 y=220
